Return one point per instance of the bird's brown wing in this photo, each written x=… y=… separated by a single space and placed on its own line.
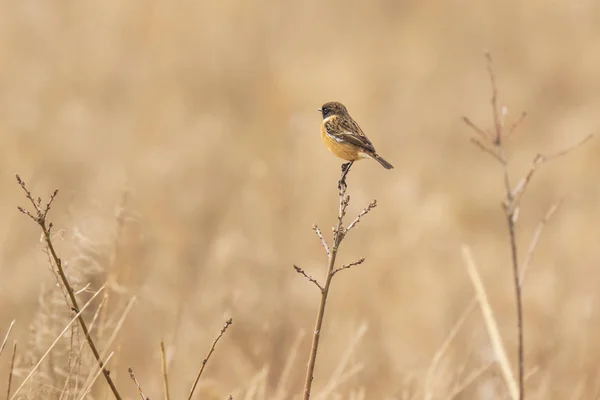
x=346 y=129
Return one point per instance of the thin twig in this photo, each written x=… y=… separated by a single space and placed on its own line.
x=88 y=387
x=307 y=276
x=364 y=212
x=494 y=100
x=40 y=219
x=323 y=241
x=340 y=374
x=79 y=353
x=6 y=336
x=60 y=335
x=137 y=384
x=163 y=358
x=535 y=240
x=212 y=348
x=486 y=149
x=516 y=124
x=484 y=135
x=346 y=266
x=469 y=379
x=542 y=159
x=444 y=347
x=490 y=323
x=284 y=377
x=12 y=368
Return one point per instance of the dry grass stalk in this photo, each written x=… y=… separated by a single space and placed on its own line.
x=10 y=373
x=88 y=388
x=491 y=324
x=75 y=318
x=439 y=354
x=281 y=392
x=339 y=232
x=163 y=359
x=6 y=336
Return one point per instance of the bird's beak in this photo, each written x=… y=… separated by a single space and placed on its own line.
x=319 y=110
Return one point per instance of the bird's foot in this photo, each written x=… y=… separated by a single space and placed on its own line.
x=345 y=169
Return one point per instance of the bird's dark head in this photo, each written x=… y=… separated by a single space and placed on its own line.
x=332 y=108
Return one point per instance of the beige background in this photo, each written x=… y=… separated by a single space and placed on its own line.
x=183 y=136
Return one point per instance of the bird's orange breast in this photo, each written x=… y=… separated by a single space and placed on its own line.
x=344 y=150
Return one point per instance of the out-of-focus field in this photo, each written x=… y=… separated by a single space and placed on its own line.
x=183 y=137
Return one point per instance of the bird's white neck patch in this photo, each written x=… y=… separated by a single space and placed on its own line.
x=328 y=118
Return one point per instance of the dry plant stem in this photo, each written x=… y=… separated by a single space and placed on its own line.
x=318 y=324
x=212 y=349
x=75 y=318
x=6 y=336
x=339 y=232
x=163 y=358
x=12 y=367
x=40 y=219
x=493 y=144
x=137 y=384
x=88 y=387
x=490 y=323
x=536 y=239
x=428 y=395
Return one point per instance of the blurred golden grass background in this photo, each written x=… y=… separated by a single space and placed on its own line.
x=183 y=136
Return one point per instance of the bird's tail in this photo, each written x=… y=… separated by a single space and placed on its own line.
x=381 y=161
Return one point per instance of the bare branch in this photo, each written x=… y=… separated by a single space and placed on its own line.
x=49 y=204
x=45 y=227
x=487 y=150
x=570 y=149
x=484 y=135
x=540 y=159
x=494 y=99
x=346 y=266
x=323 y=241
x=536 y=238
x=205 y=361
x=29 y=197
x=137 y=384
x=364 y=212
x=516 y=124
x=307 y=276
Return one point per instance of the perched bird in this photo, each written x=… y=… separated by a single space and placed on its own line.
x=344 y=138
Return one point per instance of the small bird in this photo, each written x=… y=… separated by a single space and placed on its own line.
x=344 y=138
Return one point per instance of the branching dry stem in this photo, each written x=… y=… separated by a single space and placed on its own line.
x=493 y=145
x=339 y=233
x=212 y=349
x=39 y=216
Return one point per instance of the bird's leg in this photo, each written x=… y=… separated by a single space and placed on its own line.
x=345 y=170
